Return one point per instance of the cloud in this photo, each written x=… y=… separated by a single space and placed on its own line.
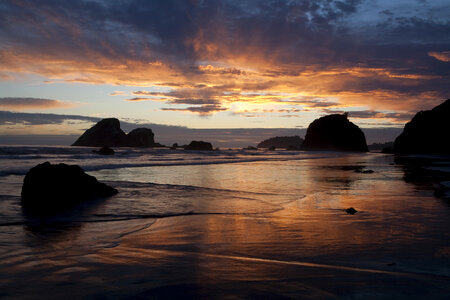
x=442 y=56
x=395 y=117
x=18 y=103
x=203 y=110
x=118 y=93
x=11 y=118
x=352 y=52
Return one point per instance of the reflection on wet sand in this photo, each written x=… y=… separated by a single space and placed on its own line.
x=255 y=240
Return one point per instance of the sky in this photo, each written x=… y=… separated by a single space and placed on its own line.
x=220 y=64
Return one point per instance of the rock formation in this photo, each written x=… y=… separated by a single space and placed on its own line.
x=336 y=133
x=199 y=145
x=140 y=137
x=427 y=132
x=286 y=142
x=107 y=133
x=50 y=188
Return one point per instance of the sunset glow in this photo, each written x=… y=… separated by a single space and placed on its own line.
x=226 y=64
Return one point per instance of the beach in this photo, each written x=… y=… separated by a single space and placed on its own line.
x=229 y=224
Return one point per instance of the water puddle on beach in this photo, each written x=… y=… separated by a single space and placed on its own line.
x=263 y=229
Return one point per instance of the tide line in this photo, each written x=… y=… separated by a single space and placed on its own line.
x=286 y=262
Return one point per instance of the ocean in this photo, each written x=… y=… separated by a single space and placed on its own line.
x=227 y=224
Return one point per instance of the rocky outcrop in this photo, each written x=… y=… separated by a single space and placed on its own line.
x=199 y=145
x=107 y=133
x=140 y=137
x=50 y=188
x=335 y=133
x=427 y=132
x=286 y=142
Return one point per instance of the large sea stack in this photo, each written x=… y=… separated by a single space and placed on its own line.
x=51 y=188
x=107 y=133
x=427 y=132
x=335 y=133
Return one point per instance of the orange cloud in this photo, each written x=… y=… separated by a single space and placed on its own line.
x=442 y=56
x=14 y=103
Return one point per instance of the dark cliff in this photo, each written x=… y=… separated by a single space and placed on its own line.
x=427 y=132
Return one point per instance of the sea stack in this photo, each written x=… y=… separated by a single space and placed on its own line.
x=107 y=133
x=335 y=133
x=51 y=188
x=140 y=137
x=427 y=132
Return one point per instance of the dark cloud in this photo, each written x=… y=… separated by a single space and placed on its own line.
x=202 y=110
x=369 y=114
x=197 y=41
x=11 y=118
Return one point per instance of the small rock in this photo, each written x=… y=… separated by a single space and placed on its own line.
x=105 y=151
x=351 y=211
x=199 y=145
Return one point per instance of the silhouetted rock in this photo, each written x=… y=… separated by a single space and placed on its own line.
x=107 y=133
x=105 y=151
x=427 y=132
x=351 y=211
x=380 y=146
x=199 y=145
x=365 y=171
x=250 y=148
x=174 y=146
x=388 y=150
x=140 y=137
x=291 y=142
x=335 y=133
x=50 y=188
x=272 y=148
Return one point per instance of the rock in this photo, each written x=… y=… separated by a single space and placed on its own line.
x=286 y=142
x=174 y=146
x=351 y=211
x=380 y=146
x=272 y=148
x=427 y=132
x=335 y=133
x=50 y=188
x=140 y=137
x=105 y=151
x=388 y=150
x=250 y=148
x=106 y=133
x=365 y=171
x=199 y=145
